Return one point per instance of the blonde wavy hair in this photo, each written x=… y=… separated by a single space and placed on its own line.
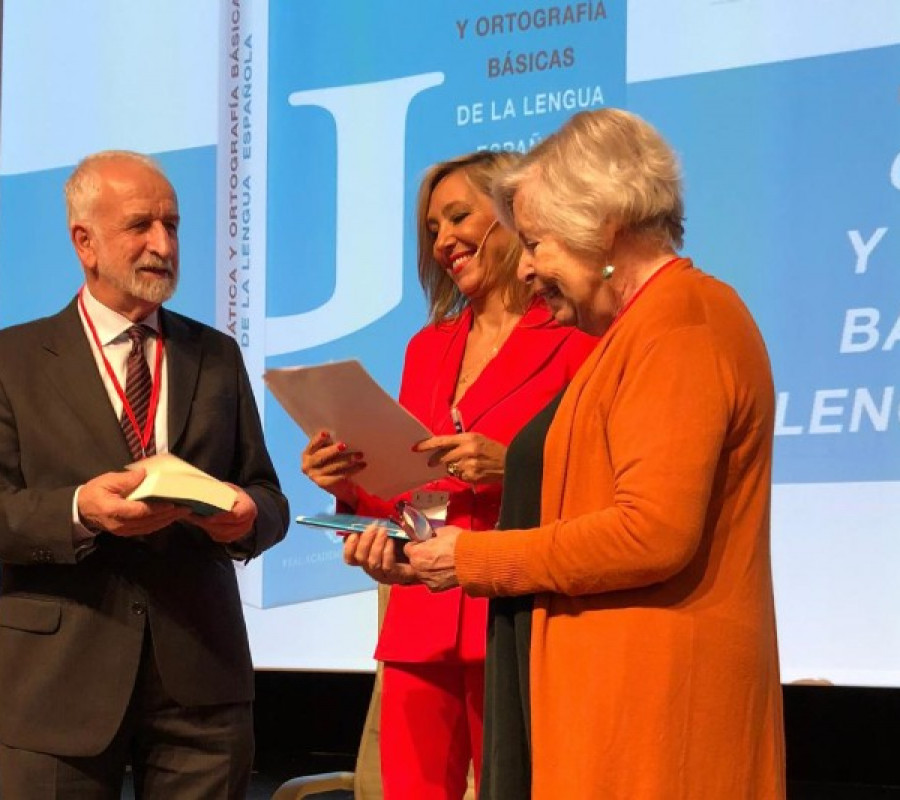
x=600 y=166
x=444 y=300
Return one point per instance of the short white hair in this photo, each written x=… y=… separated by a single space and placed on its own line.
x=83 y=186
x=601 y=165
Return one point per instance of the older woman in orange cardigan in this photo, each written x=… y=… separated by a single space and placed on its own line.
x=650 y=670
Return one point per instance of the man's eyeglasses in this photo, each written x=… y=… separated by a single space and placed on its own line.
x=414 y=523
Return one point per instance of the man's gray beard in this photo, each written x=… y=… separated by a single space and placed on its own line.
x=150 y=290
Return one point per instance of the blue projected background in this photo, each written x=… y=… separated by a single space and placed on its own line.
x=296 y=133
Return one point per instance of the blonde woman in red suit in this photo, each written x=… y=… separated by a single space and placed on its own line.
x=488 y=360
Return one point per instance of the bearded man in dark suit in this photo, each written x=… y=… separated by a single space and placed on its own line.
x=122 y=638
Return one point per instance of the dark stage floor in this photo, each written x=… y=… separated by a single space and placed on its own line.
x=264 y=786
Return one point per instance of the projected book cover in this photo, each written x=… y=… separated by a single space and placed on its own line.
x=296 y=132
x=793 y=209
x=329 y=114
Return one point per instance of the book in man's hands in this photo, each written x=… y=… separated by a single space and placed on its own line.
x=169 y=479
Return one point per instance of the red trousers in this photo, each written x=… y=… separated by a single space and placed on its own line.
x=431 y=728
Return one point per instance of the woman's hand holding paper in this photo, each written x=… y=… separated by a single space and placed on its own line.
x=471 y=457
x=331 y=466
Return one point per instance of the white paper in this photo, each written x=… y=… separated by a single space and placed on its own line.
x=344 y=399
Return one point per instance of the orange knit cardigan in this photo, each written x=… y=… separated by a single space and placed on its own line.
x=654 y=666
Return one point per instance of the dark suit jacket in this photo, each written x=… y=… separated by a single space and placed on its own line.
x=71 y=630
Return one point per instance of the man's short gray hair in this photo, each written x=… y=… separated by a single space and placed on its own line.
x=83 y=186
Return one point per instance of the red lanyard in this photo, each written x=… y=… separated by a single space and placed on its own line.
x=144 y=437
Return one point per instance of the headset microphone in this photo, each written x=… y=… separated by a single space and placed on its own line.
x=487 y=233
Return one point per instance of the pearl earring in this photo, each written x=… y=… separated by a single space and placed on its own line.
x=607 y=272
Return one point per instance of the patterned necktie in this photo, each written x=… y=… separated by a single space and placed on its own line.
x=138 y=388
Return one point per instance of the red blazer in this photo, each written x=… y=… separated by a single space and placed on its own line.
x=538 y=359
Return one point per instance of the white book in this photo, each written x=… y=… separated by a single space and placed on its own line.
x=170 y=479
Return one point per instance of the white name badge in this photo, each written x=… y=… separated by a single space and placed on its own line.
x=432 y=504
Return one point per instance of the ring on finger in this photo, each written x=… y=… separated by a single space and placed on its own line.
x=453 y=469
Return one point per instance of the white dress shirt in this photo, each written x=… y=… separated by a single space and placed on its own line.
x=112 y=331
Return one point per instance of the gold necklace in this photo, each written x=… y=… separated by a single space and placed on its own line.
x=474 y=372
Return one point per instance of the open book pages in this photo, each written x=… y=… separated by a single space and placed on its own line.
x=170 y=479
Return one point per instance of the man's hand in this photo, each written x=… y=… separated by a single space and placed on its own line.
x=229 y=526
x=102 y=506
x=434 y=561
x=377 y=554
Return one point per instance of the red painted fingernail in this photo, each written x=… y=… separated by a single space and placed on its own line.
x=341 y=447
x=323 y=436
